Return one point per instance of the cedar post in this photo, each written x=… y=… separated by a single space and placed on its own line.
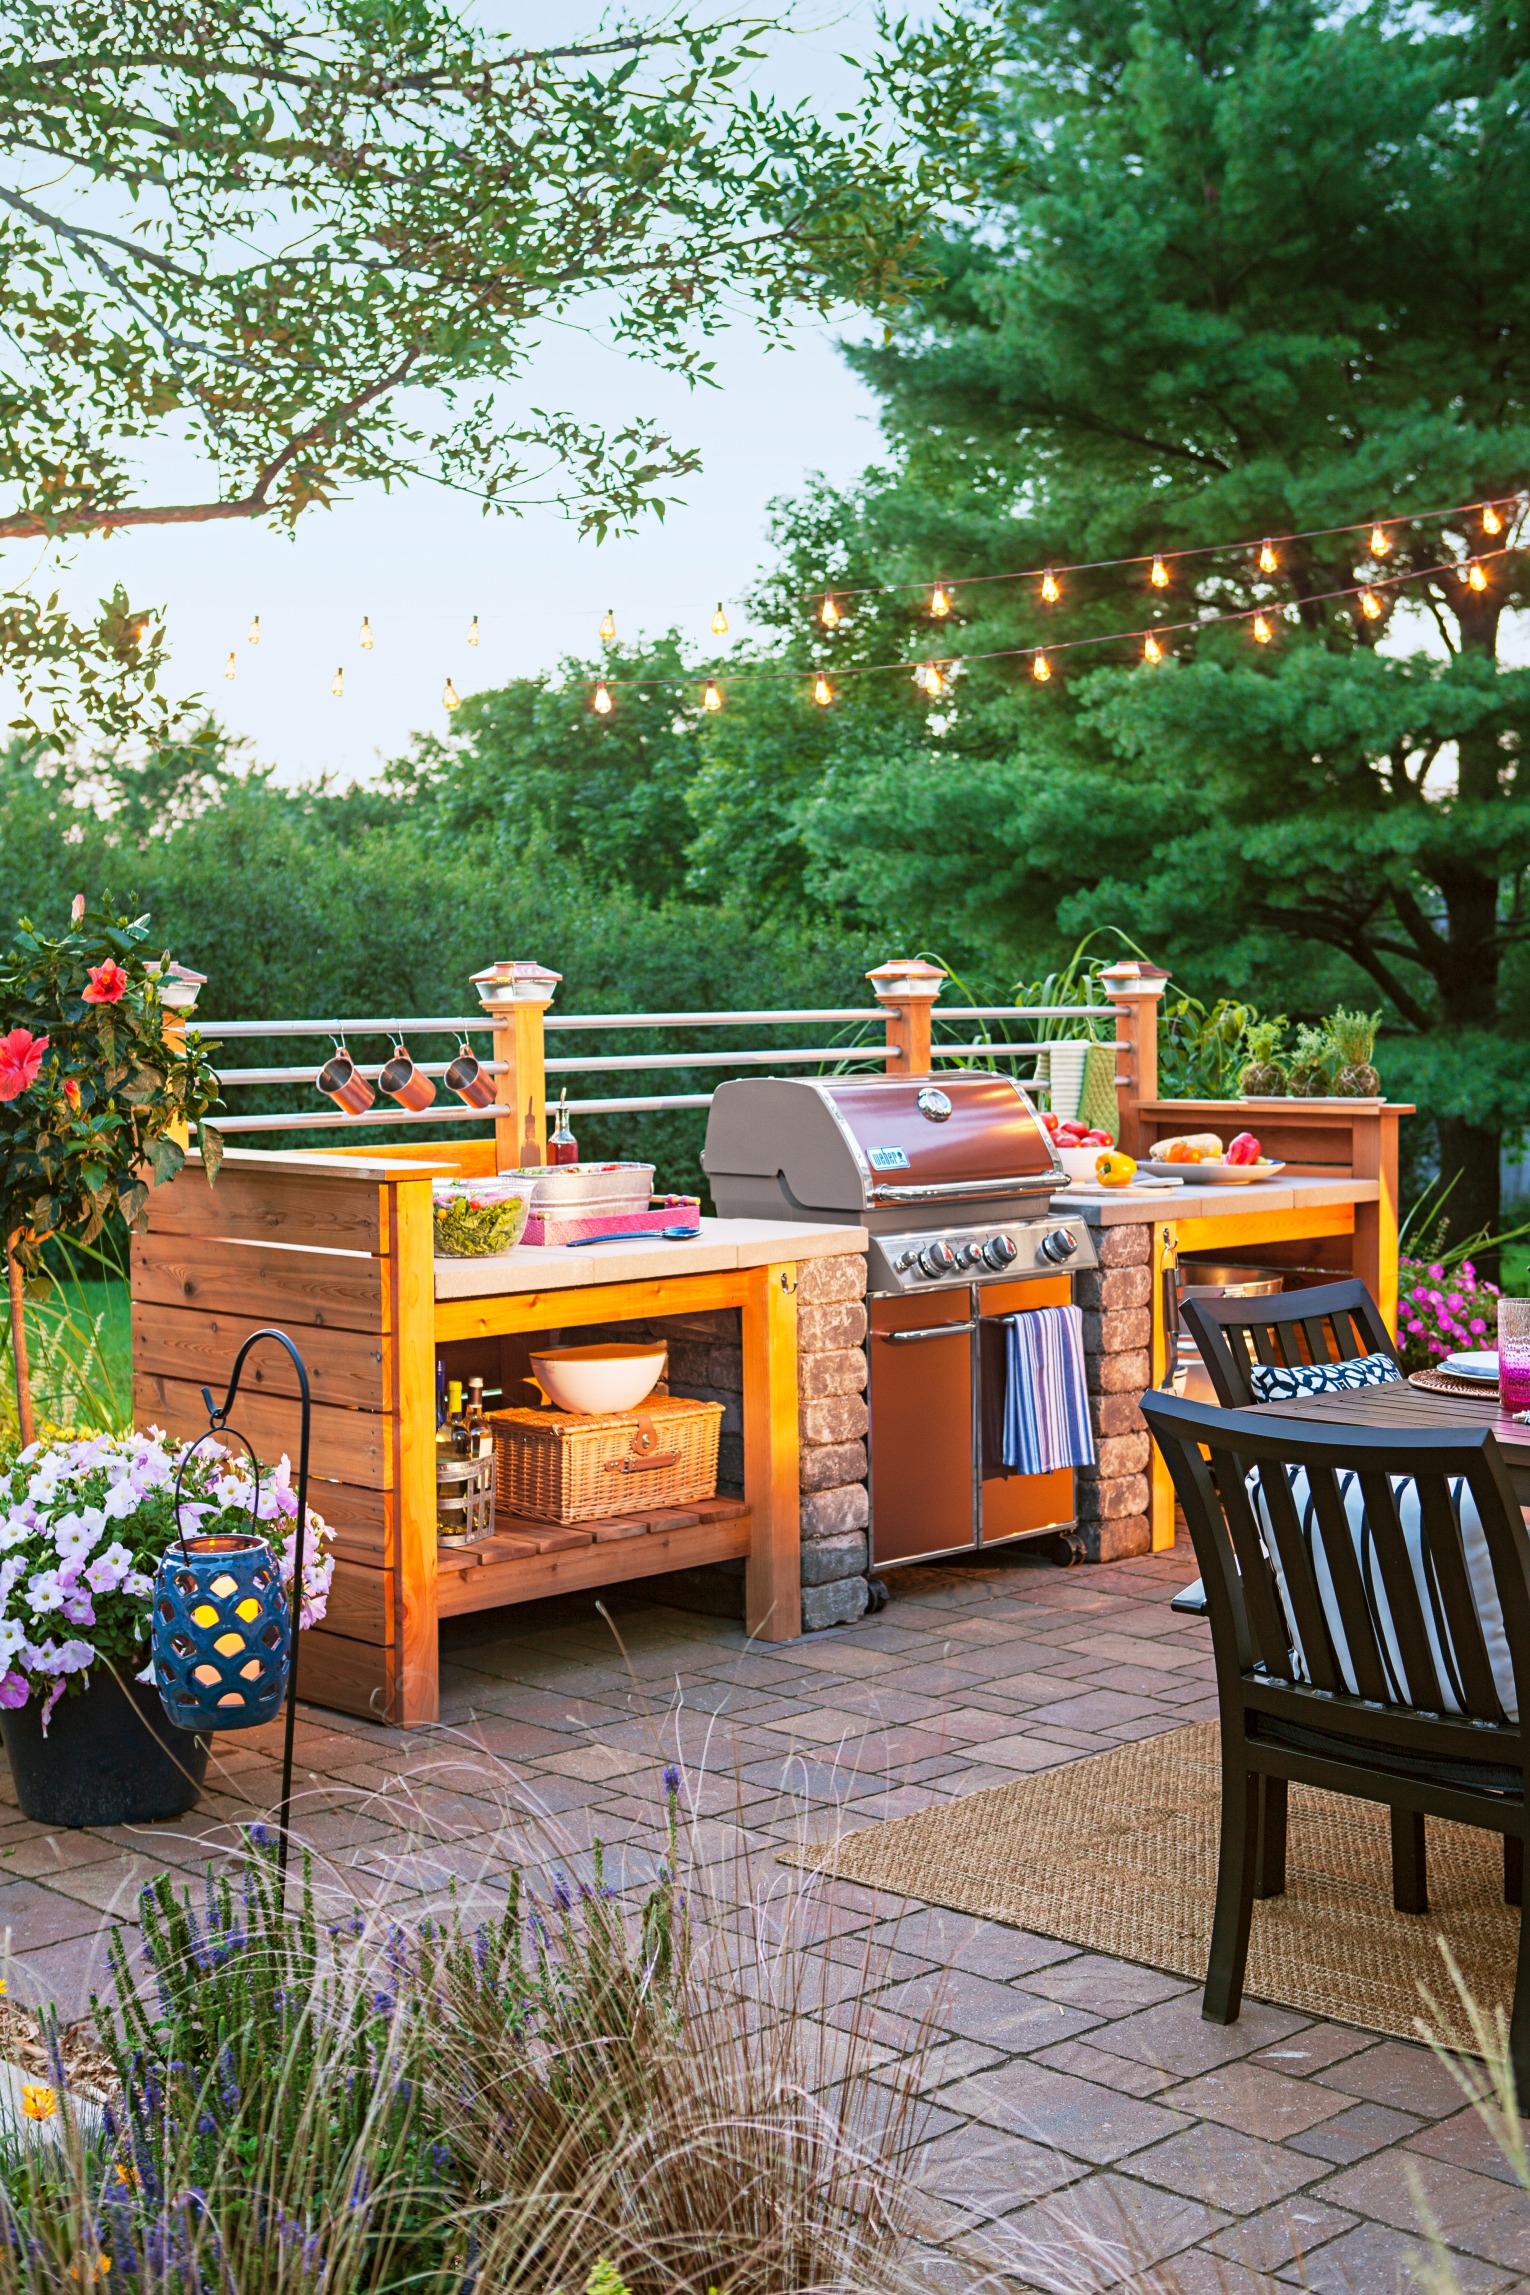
x=516 y=993
x=1373 y=1155
x=906 y=991
x=1134 y=989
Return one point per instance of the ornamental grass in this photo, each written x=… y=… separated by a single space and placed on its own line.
x=595 y=2090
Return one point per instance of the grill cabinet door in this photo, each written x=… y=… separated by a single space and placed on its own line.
x=922 y=1481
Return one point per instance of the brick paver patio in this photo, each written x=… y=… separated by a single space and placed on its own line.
x=1085 y=2127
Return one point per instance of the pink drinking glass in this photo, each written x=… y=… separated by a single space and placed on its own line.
x=1514 y=1354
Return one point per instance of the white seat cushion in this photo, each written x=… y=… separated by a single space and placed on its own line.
x=1280 y=1382
x=1479 y=1571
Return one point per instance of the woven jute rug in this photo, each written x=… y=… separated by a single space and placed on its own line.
x=1118 y=1852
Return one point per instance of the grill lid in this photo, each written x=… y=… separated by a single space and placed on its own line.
x=846 y=1143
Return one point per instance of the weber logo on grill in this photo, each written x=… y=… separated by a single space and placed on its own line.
x=889 y=1159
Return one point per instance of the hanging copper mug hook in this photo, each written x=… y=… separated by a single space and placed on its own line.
x=467 y=1079
x=343 y=1082
x=404 y=1082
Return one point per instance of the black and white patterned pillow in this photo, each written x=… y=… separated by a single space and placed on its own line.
x=1272 y=1382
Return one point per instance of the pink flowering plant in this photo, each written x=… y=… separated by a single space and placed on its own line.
x=1443 y=1308
x=82 y=1527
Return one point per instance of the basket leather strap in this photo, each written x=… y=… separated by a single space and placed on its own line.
x=643 y=1453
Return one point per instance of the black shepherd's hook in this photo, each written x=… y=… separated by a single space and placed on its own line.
x=217 y=1423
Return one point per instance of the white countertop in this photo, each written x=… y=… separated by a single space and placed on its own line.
x=1301 y=1192
x=722 y=1246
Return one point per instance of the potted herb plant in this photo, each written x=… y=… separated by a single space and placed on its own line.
x=83 y=1524
x=98 y=1084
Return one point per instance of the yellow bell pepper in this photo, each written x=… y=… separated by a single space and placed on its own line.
x=1115 y=1169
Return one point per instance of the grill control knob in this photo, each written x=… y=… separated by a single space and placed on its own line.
x=1059 y=1246
x=1000 y=1251
x=937 y=1259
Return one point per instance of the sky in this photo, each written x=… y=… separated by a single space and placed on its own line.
x=421 y=564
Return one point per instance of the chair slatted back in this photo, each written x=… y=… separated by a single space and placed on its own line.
x=1359 y=1581
x=1331 y=1323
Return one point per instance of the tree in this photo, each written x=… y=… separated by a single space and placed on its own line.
x=1241 y=268
x=315 y=245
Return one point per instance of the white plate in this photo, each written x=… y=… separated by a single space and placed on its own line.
x=1474 y=1363
x=1218 y=1174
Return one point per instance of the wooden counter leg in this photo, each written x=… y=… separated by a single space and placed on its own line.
x=773 y=1582
x=416 y=1696
x=1374 y=1252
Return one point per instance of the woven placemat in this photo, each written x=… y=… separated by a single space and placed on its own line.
x=1118 y=1853
x=1441 y=1383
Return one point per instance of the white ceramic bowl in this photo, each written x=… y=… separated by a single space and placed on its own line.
x=1079 y=1162
x=600 y=1378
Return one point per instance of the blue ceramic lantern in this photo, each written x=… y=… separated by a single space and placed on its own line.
x=222 y=1633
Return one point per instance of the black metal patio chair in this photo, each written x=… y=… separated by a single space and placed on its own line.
x=1330 y=1323
x=1350 y=1651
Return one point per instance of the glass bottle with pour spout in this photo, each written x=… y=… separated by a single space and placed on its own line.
x=562 y=1147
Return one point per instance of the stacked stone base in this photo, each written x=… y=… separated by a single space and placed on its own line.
x=1113 y=1495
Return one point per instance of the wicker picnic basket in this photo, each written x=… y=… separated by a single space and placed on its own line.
x=564 y=1466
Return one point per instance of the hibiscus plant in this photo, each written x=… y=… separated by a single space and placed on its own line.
x=96 y=1091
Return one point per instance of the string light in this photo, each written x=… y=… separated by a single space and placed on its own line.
x=1041 y=668
x=450 y=698
x=719 y=621
x=1262 y=632
x=1151 y=649
x=940 y=602
x=602 y=703
x=829 y=613
x=1491 y=522
x=1159 y=577
x=1050 y=588
x=473 y=631
x=229 y=668
x=711 y=698
x=252 y=634
x=140 y=630
x=1268 y=562
x=608 y=625
x=1476 y=579
x=338 y=688
x=1371 y=606
x=931 y=679
x=365 y=639
x=1381 y=541
x=823 y=691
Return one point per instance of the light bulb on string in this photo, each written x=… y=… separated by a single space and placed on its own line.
x=608 y=625
x=1159 y=577
x=1371 y=606
x=719 y=621
x=1381 y=541
x=1261 y=631
x=230 y=667
x=1050 y=588
x=364 y=638
x=601 y=701
x=828 y=613
x=338 y=687
x=1268 y=562
x=940 y=602
x=1151 y=649
x=472 y=631
x=1491 y=522
x=711 y=697
x=931 y=679
x=1041 y=668
x=1476 y=579
x=252 y=634
x=823 y=691
x=450 y=698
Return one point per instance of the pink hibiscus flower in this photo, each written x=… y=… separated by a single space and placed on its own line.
x=20 y=1058
x=107 y=982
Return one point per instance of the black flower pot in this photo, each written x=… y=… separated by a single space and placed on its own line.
x=110 y=1757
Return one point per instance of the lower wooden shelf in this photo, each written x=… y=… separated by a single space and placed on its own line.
x=524 y=1561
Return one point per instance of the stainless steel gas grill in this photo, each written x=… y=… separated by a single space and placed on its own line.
x=953 y=1178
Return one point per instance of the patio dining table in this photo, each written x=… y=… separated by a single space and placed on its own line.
x=1399 y=1403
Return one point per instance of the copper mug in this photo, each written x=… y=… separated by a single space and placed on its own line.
x=403 y=1081
x=343 y=1082
x=466 y=1078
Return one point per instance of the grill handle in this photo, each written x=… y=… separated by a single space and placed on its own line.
x=931 y=1331
x=1032 y=1182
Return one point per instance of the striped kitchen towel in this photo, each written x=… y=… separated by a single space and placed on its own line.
x=1046 y=1402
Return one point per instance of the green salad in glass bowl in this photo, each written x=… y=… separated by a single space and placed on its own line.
x=478 y=1218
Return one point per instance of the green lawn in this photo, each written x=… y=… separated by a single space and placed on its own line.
x=80 y=1343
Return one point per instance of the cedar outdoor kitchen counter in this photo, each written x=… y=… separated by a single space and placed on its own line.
x=724 y=1245
x=1254 y=1200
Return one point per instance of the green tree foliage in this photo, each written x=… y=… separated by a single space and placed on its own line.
x=315 y=245
x=1241 y=267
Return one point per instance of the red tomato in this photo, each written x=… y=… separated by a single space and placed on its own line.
x=1099 y=1139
